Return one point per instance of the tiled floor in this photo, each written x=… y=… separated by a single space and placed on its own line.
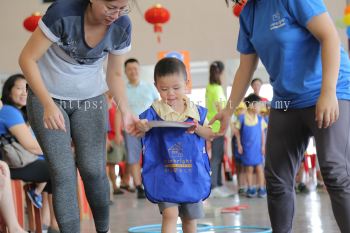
x=313 y=214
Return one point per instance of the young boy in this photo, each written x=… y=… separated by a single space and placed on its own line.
x=178 y=169
x=241 y=178
x=251 y=144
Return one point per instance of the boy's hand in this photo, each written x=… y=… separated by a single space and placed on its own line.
x=327 y=110
x=130 y=122
x=193 y=128
x=143 y=126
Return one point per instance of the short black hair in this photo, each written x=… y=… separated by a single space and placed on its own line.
x=130 y=60
x=169 y=65
x=252 y=98
x=256 y=79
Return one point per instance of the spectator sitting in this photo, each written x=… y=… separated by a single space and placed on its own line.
x=12 y=121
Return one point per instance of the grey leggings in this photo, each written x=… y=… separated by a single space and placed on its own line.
x=287 y=138
x=86 y=125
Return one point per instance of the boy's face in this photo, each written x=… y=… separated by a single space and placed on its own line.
x=255 y=107
x=171 y=89
x=256 y=86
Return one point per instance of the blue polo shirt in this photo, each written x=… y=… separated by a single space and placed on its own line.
x=276 y=31
x=9 y=117
x=141 y=96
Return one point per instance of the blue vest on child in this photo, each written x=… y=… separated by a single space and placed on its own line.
x=176 y=166
x=251 y=142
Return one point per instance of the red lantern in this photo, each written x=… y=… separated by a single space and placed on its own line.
x=157 y=16
x=238 y=7
x=32 y=21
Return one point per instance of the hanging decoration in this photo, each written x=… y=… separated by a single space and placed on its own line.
x=157 y=15
x=346 y=21
x=31 y=22
x=238 y=7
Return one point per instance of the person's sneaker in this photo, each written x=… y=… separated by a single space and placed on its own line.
x=242 y=190
x=302 y=188
x=127 y=188
x=229 y=192
x=140 y=193
x=251 y=192
x=118 y=192
x=262 y=192
x=36 y=199
x=219 y=192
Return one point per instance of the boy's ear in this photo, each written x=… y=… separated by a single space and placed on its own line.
x=187 y=88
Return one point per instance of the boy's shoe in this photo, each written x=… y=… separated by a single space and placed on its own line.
x=262 y=192
x=251 y=192
x=140 y=193
x=36 y=199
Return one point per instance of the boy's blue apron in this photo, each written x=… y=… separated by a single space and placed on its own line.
x=176 y=166
x=251 y=143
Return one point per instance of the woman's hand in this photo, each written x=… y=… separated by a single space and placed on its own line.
x=130 y=124
x=143 y=126
x=53 y=118
x=327 y=109
x=224 y=116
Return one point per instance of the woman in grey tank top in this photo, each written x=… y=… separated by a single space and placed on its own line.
x=63 y=64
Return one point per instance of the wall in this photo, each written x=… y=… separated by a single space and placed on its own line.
x=204 y=27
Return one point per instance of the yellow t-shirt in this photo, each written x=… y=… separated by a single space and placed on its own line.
x=167 y=113
x=250 y=122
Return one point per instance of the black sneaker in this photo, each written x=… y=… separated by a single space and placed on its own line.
x=140 y=193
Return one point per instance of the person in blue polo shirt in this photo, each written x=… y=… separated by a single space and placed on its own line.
x=141 y=94
x=299 y=46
